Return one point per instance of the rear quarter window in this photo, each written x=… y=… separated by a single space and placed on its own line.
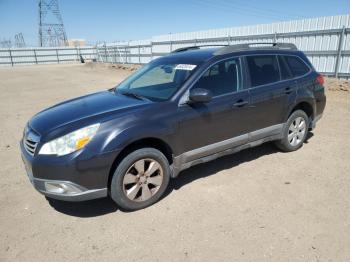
x=296 y=65
x=285 y=72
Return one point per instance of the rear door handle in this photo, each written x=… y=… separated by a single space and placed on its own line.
x=240 y=103
x=288 y=90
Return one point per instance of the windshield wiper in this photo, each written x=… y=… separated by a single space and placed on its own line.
x=137 y=96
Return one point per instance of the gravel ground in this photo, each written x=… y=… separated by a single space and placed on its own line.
x=257 y=205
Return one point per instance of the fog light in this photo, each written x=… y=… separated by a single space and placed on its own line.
x=61 y=188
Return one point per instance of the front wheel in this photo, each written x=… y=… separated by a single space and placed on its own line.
x=295 y=132
x=140 y=179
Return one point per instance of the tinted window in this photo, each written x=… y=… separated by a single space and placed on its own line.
x=263 y=69
x=296 y=65
x=285 y=72
x=214 y=70
x=221 y=78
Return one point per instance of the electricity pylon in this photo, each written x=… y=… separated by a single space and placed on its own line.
x=19 y=40
x=51 y=28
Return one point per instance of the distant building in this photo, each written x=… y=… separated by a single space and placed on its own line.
x=76 y=42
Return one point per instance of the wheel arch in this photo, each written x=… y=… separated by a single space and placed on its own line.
x=305 y=106
x=152 y=142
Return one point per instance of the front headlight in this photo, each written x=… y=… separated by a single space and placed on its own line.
x=69 y=143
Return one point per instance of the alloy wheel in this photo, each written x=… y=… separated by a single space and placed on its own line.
x=296 y=131
x=142 y=180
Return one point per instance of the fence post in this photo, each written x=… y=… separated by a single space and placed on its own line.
x=76 y=48
x=275 y=37
x=80 y=55
x=139 y=55
x=340 y=46
x=228 y=39
x=98 y=57
x=114 y=54
x=151 y=50
x=105 y=53
x=126 y=56
x=58 y=59
x=171 y=46
x=95 y=53
x=36 y=59
x=11 y=57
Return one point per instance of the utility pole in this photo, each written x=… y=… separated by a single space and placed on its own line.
x=51 y=28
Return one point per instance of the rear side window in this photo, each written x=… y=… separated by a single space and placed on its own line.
x=263 y=69
x=296 y=65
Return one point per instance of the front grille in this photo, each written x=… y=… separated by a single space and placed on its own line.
x=29 y=146
x=30 y=141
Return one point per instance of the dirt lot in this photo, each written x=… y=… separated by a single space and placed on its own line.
x=257 y=205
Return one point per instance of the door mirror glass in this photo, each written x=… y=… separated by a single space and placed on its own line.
x=200 y=95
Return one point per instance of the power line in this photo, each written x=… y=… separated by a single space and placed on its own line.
x=243 y=9
x=233 y=11
x=250 y=6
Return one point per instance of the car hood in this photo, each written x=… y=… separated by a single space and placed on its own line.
x=79 y=109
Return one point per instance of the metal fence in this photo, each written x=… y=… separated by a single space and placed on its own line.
x=43 y=55
x=325 y=40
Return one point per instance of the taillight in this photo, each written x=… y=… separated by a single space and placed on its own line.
x=320 y=80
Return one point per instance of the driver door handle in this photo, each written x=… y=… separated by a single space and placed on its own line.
x=240 y=103
x=288 y=90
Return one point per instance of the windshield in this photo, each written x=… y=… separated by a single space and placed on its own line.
x=156 y=81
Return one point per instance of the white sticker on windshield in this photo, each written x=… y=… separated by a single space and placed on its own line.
x=185 y=67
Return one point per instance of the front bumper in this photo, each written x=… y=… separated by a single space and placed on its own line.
x=79 y=176
x=66 y=190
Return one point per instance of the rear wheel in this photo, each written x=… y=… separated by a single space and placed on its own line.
x=140 y=179
x=295 y=132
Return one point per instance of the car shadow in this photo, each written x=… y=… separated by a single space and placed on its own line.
x=103 y=206
x=90 y=208
x=309 y=135
x=223 y=163
x=220 y=164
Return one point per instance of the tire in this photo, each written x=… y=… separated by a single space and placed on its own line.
x=140 y=179
x=290 y=132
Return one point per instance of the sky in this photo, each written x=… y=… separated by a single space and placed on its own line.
x=108 y=20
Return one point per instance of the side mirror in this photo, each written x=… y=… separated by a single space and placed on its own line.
x=200 y=95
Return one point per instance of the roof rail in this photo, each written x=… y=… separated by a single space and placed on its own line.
x=182 y=49
x=251 y=46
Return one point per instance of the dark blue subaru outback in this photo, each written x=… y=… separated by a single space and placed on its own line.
x=189 y=107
